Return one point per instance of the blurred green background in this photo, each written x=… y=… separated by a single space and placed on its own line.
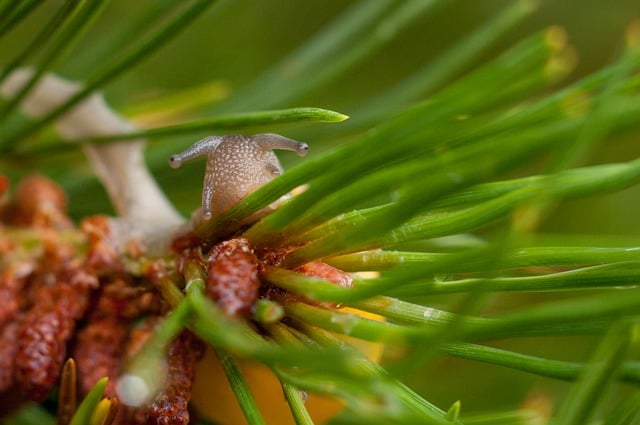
x=237 y=40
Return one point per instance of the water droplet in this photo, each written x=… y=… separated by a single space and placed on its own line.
x=132 y=390
x=431 y=314
x=345 y=321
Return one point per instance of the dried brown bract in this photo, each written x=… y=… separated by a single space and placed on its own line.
x=125 y=300
x=185 y=241
x=275 y=257
x=102 y=257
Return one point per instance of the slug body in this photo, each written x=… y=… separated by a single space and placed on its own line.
x=237 y=165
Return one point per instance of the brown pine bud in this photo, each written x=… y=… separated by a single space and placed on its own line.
x=170 y=406
x=43 y=335
x=12 y=281
x=98 y=352
x=40 y=353
x=327 y=272
x=40 y=202
x=233 y=280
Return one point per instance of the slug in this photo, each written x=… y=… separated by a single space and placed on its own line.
x=237 y=165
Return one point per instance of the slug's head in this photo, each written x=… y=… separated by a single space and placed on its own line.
x=205 y=146
x=237 y=165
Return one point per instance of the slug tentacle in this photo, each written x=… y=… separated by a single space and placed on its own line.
x=202 y=147
x=275 y=141
x=237 y=165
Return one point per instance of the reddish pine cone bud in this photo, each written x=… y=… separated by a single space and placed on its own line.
x=327 y=272
x=233 y=277
x=40 y=202
x=12 y=282
x=43 y=336
x=170 y=406
x=98 y=352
